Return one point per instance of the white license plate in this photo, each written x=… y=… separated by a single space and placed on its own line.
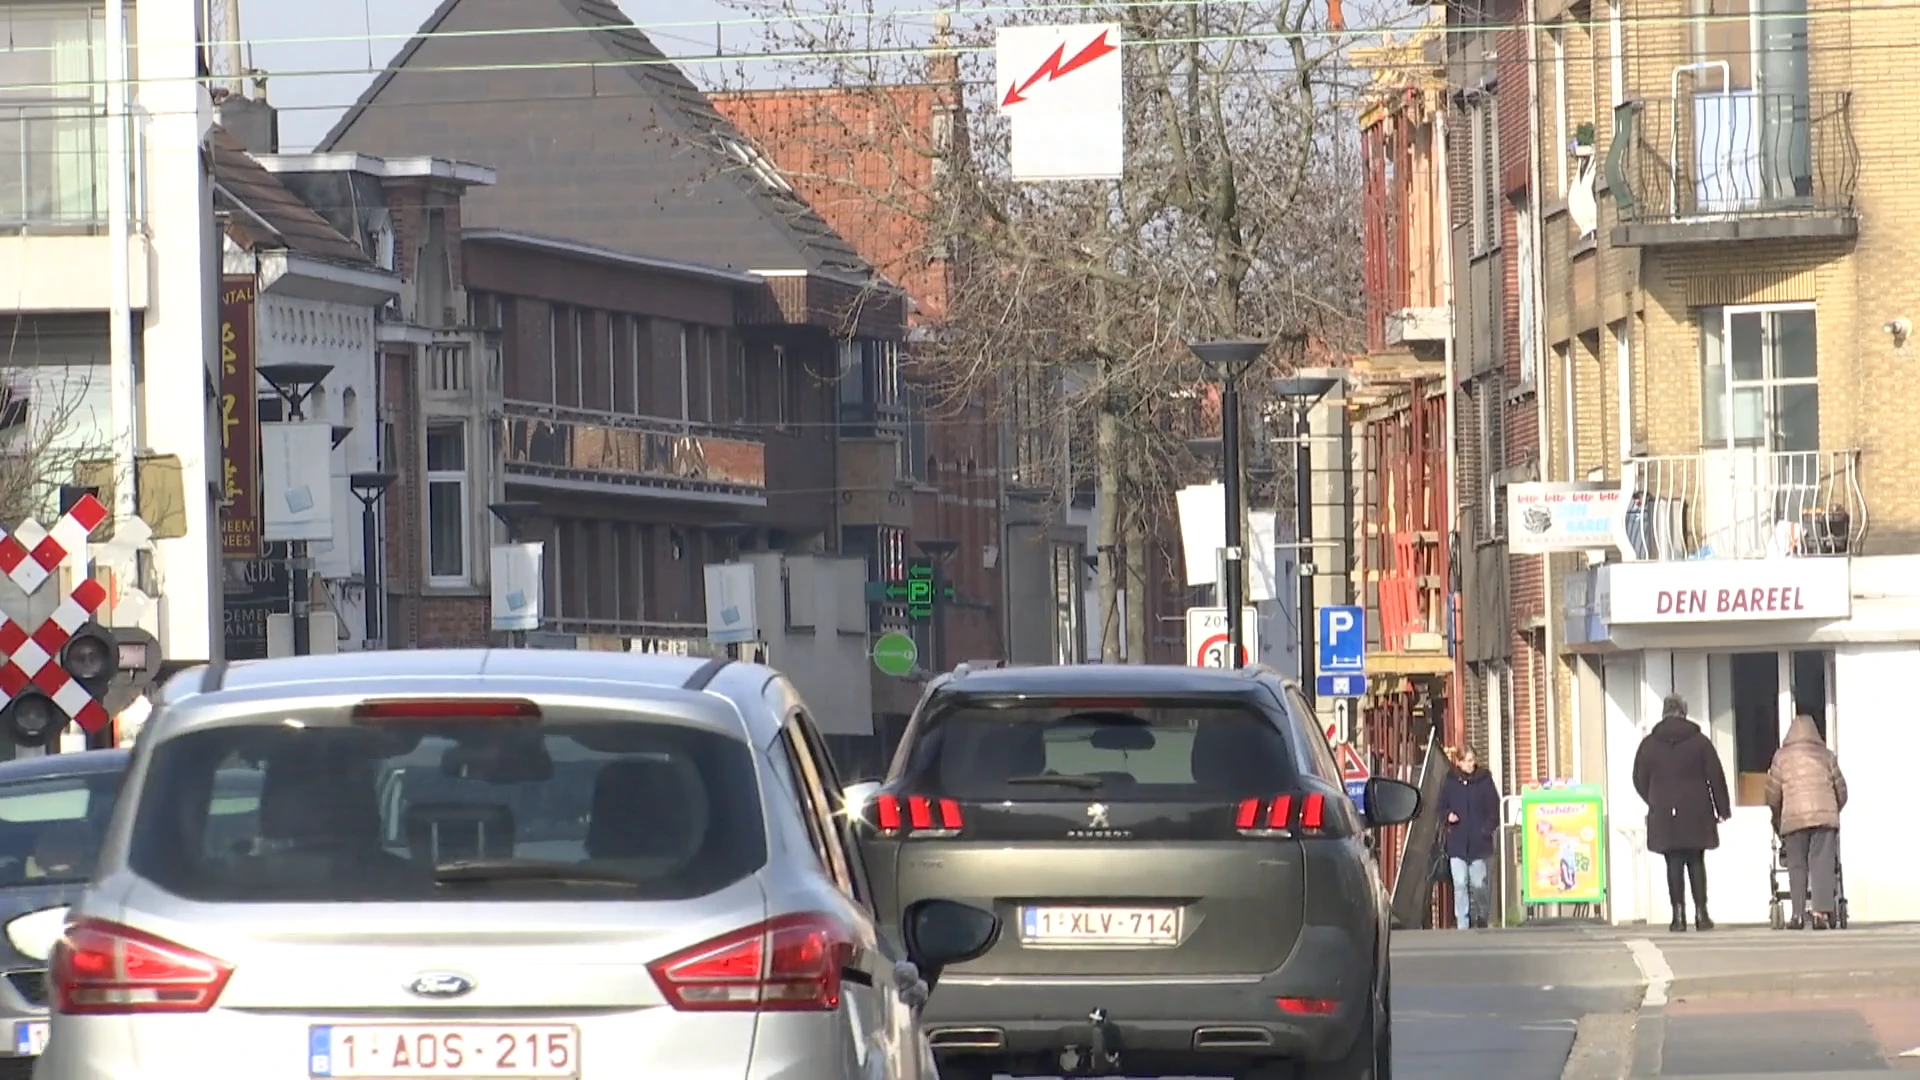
x=30 y=1038
x=1100 y=926
x=396 y=1051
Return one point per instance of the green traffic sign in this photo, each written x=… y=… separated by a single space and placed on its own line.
x=895 y=654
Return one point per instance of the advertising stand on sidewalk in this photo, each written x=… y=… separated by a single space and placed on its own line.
x=1563 y=852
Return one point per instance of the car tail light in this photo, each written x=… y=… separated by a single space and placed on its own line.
x=402 y=710
x=1282 y=815
x=788 y=964
x=916 y=815
x=1307 y=1006
x=102 y=967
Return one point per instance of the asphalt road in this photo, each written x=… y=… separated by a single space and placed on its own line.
x=1603 y=1003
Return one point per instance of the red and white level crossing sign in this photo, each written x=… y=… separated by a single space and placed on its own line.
x=31 y=553
x=29 y=657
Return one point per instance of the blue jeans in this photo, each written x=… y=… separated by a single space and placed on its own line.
x=1469 y=890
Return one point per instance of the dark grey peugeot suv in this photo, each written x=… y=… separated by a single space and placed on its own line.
x=1184 y=880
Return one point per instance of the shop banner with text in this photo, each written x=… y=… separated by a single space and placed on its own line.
x=239 y=420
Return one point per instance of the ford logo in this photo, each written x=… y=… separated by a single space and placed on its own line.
x=440 y=984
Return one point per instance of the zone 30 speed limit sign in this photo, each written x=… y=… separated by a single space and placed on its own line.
x=1207 y=637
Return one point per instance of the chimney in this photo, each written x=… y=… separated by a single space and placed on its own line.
x=254 y=122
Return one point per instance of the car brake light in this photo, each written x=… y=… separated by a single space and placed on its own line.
x=1286 y=815
x=1307 y=1006
x=100 y=967
x=404 y=709
x=923 y=816
x=787 y=964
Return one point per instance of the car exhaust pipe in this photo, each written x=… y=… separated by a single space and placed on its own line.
x=968 y=1039
x=1231 y=1038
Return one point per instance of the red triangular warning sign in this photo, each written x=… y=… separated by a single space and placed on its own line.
x=1352 y=767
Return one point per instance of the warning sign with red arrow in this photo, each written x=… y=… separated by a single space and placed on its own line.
x=1060 y=89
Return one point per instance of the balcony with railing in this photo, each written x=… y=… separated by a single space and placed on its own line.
x=1745 y=504
x=53 y=169
x=1713 y=167
x=581 y=450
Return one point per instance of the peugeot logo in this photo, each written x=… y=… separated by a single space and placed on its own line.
x=1097 y=816
x=440 y=984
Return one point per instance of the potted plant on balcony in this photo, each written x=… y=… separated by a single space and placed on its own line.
x=1825 y=532
x=1583 y=137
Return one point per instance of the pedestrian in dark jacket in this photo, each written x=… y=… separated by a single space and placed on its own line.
x=1470 y=807
x=1806 y=792
x=1678 y=775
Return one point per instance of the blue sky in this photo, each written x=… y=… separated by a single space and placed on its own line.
x=282 y=31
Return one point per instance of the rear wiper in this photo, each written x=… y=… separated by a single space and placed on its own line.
x=1085 y=783
x=559 y=873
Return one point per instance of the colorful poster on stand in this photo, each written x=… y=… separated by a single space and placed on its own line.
x=1563 y=848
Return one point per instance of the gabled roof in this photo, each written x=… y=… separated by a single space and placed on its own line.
x=861 y=157
x=461 y=89
x=271 y=215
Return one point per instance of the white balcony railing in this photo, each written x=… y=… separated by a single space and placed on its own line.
x=53 y=168
x=1745 y=504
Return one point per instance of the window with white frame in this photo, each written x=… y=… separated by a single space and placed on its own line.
x=447 y=505
x=1485 y=173
x=1759 y=384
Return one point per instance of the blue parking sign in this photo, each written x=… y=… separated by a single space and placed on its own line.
x=1343 y=640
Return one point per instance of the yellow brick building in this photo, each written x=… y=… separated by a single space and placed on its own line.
x=1726 y=280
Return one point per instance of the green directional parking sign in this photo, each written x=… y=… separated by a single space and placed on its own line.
x=895 y=654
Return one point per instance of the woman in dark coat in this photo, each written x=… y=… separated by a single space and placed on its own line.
x=1678 y=775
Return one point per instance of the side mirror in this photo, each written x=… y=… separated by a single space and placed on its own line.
x=1391 y=802
x=940 y=933
x=856 y=796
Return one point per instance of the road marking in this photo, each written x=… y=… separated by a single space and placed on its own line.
x=1653 y=968
x=1915 y=1052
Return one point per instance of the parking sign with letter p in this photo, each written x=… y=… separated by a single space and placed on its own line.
x=1343 y=640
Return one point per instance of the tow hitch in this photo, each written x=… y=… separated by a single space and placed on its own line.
x=1101 y=1054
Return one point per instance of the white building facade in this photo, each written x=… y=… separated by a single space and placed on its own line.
x=88 y=174
x=1749 y=642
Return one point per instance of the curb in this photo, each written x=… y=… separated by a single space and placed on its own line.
x=1603 y=1048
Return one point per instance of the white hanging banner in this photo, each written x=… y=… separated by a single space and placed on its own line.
x=1060 y=89
x=516 y=585
x=296 y=481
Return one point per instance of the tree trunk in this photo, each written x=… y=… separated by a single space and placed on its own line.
x=1107 y=461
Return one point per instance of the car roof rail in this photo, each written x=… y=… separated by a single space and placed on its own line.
x=704 y=674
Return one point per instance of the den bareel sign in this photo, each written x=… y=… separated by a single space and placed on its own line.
x=1730 y=590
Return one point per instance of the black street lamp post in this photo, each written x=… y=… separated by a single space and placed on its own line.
x=1302 y=392
x=1233 y=358
x=295 y=383
x=370 y=488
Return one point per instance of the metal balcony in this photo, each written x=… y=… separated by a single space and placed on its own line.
x=1698 y=168
x=545 y=445
x=1745 y=504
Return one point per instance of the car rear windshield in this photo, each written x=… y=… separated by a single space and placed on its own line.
x=51 y=827
x=1198 y=751
x=454 y=810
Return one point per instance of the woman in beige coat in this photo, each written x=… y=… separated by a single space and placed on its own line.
x=1806 y=791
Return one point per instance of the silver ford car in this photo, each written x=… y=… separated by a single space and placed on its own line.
x=488 y=864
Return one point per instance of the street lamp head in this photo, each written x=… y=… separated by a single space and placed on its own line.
x=294 y=375
x=1305 y=389
x=1231 y=355
x=937 y=549
x=371 y=485
x=514 y=514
